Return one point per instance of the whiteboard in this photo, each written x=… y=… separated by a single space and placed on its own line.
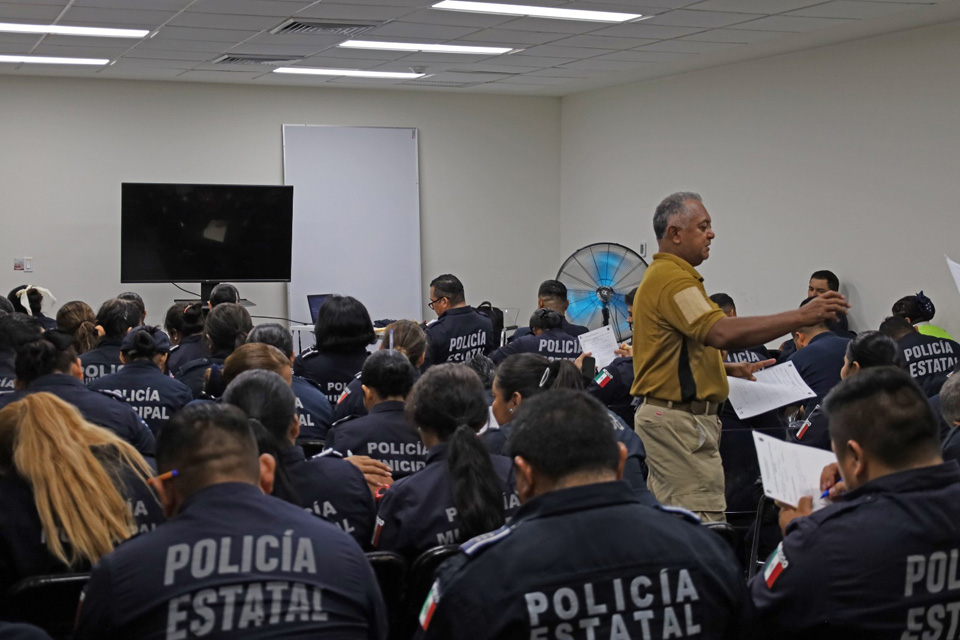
x=356 y=217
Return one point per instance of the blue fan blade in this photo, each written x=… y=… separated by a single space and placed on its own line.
x=605 y=265
x=583 y=304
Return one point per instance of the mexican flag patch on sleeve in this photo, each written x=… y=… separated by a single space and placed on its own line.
x=776 y=565
x=430 y=605
x=603 y=378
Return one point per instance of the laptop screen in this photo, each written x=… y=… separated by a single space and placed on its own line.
x=315 y=301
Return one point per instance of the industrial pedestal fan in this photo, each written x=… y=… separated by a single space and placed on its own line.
x=597 y=277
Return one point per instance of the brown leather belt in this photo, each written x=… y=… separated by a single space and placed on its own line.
x=697 y=407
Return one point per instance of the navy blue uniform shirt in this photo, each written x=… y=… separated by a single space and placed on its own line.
x=23 y=547
x=612 y=386
x=332 y=488
x=194 y=373
x=929 y=359
x=553 y=345
x=103 y=409
x=589 y=562
x=459 y=335
x=880 y=563
x=567 y=327
x=235 y=563
x=102 y=361
x=313 y=409
x=8 y=372
x=154 y=396
x=383 y=434
x=819 y=364
x=350 y=402
x=190 y=348
x=418 y=512
x=753 y=354
x=331 y=371
x=951 y=445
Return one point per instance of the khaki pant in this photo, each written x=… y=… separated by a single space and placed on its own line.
x=683 y=454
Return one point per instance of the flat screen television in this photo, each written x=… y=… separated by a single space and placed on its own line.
x=205 y=233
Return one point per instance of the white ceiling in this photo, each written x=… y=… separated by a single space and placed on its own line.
x=558 y=57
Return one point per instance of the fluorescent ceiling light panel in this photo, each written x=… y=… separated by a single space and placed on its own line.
x=48 y=60
x=353 y=73
x=536 y=12
x=101 y=32
x=431 y=48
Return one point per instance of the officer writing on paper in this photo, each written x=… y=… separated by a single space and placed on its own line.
x=679 y=370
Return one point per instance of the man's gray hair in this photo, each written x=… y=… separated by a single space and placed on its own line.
x=672 y=205
x=950 y=399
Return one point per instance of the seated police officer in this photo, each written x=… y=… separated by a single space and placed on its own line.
x=51 y=364
x=753 y=354
x=463 y=491
x=546 y=338
x=232 y=562
x=343 y=331
x=313 y=408
x=582 y=558
x=223 y=292
x=225 y=329
x=116 y=317
x=136 y=299
x=819 y=358
x=184 y=325
x=16 y=329
x=950 y=408
x=553 y=295
x=326 y=484
x=880 y=562
x=612 y=384
x=142 y=383
x=460 y=331
x=929 y=359
x=384 y=433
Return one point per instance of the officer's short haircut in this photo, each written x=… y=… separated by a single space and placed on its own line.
x=17 y=330
x=117 y=316
x=724 y=301
x=389 y=373
x=950 y=400
x=448 y=286
x=833 y=282
x=134 y=297
x=485 y=369
x=276 y=335
x=204 y=442
x=820 y=323
x=884 y=410
x=874 y=349
x=673 y=205
x=266 y=397
x=552 y=291
x=343 y=325
x=562 y=432
x=545 y=319
x=630 y=295
x=896 y=327
x=6 y=306
x=224 y=292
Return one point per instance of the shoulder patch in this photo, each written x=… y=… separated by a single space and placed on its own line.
x=344 y=395
x=343 y=420
x=776 y=564
x=433 y=322
x=692 y=304
x=174 y=348
x=475 y=545
x=309 y=352
x=328 y=453
x=110 y=394
x=358 y=374
x=193 y=364
x=430 y=605
x=679 y=511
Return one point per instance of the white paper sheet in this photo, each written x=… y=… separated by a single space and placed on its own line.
x=791 y=471
x=775 y=387
x=954 y=270
x=602 y=343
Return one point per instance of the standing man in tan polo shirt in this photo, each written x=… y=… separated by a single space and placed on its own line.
x=678 y=334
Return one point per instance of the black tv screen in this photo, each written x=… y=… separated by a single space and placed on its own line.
x=205 y=232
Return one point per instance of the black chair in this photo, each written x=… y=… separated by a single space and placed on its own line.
x=391 y=571
x=48 y=602
x=729 y=535
x=765 y=535
x=311 y=447
x=422 y=575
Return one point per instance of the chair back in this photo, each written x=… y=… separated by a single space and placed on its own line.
x=391 y=571
x=311 y=447
x=48 y=602
x=422 y=575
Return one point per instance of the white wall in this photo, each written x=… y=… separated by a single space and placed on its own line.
x=489 y=175
x=845 y=157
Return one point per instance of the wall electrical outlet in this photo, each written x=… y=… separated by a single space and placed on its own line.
x=27 y=264
x=642 y=250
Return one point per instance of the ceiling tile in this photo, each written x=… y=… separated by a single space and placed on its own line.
x=600 y=42
x=364 y=54
x=338 y=63
x=518 y=59
x=343 y=11
x=667 y=4
x=456 y=18
x=225 y=21
x=157 y=54
x=166 y=44
x=642 y=30
x=317 y=41
x=251 y=7
x=210 y=35
x=576 y=53
x=25 y=40
x=753 y=6
x=148 y=62
x=687 y=46
x=219 y=76
x=854 y=10
x=641 y=55
x=453 y=76
x=550 y=26
x=560 y=72
x=94 y=17
x=69 y=41
x=736 y=36
x=504 y=36
x=11 y=49
x=501 y=88
x=492 y=67
x=252 y=48
x=426 y=58
x=79 y=51
x=138 y=73
x=605 y=65
x=792 y=23
x=434 y=33
x=541 y=80
x=706 y=19
x=25 y=12
x=155 y=5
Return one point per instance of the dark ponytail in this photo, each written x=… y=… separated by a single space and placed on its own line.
x=448 y=402
x=52 y=353
x=144 y=344
x=529 y=374
x=186 y=320
x=117 y=316
x=35 y=300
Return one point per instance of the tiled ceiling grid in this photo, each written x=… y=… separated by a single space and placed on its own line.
x=188 y=35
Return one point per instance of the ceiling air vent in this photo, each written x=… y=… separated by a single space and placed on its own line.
x=323 y=28
x=256 y=60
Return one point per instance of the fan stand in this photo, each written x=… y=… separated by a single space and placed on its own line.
x=606 y=295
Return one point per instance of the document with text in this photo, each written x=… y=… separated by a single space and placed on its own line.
x=602 y=343
x=791 y=471
x=774 y=387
